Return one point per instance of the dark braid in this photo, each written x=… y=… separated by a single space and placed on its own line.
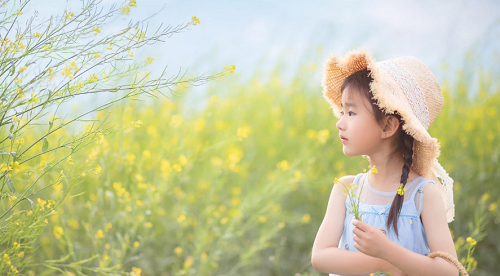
x=406 y=143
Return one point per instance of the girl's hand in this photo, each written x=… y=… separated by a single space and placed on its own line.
x=370 y=240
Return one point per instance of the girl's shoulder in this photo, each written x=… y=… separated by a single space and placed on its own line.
x=346 y=180
x=342 y=184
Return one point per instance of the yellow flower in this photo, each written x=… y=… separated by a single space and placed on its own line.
x=284 y=165
x=136 y=244
x=177 y=167
x=176 y=121
x=262 y=219
x=97 y=169
x=323 y=135
x=183 y=160
x=374 y=170
x=137 y=124
x=188 y=262
x=231 y=68
x=58 y=232
x=149 y=60
x=493 y=206
x=21 y=69
x=401 y=190
x=311 y=134
x=471 y=241
x=199 y=125
x=93 y=78
x=177 y=251
x=96 y=55
x=96 y=29
x=306 y=218
x=125 y=10
x=136 y=271
x=99 y=234
x=108 y=226
x=195 y=20
x=243 y=132
x=204 y=255
x=181 y=218
x=73 y=224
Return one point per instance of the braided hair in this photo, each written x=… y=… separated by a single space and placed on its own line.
x=406 y=144
x=360 y=83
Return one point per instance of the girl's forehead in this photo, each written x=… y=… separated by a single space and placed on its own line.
x=351 y=99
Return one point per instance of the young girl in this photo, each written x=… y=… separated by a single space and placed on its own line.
x=384 y=111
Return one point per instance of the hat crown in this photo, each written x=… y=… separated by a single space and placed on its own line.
x=418 y=84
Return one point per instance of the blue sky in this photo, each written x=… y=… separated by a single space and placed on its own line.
x=256 y=35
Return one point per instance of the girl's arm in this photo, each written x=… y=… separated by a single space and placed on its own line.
x=438 y=236
x=326 y=256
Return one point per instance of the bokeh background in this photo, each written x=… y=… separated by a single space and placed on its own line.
x=233 y=177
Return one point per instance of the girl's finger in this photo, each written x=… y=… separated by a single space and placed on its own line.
x=359 y=224
x=357 y=231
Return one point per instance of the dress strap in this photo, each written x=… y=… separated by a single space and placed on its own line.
x=420 y=189
x=356 y=179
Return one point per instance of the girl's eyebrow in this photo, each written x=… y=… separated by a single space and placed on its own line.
x=348 y=104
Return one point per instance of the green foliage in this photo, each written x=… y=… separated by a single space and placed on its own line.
x=56 y=61
x=241 y=187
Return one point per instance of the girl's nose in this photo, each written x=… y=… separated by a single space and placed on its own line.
x=340 y=124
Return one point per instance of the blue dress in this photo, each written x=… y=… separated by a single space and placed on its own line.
x=375 y=206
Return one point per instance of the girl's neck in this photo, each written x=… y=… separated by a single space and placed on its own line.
x=389 y=174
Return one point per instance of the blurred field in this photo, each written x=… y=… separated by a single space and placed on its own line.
x=241 y=187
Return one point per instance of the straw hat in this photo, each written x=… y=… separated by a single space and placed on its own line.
x=404 y=85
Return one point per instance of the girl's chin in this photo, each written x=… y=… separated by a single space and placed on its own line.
x=351 y=154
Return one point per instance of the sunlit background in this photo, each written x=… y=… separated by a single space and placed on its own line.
x=233 y=177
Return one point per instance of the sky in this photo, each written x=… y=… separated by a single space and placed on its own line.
x=257 y=35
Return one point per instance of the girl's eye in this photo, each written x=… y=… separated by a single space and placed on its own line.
x=342 y=113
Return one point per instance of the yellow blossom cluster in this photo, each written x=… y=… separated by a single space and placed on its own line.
x=401 y=190
x=194 y=20
x=45 y=204
x=231 y=69
x=70 y=70
x=121 y=192
x=58 y=232
x=76 y=88
x=166 y=167
x=96 y=29
x=14 y=166
x=68 y=16
x=322 y=136
x=93 y=78
x=126 y=9
x=6 y=259
x=7 y=45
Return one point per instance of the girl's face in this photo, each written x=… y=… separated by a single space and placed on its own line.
x=358 y=125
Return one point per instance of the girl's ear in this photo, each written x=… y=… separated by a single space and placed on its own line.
x=390 y=126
